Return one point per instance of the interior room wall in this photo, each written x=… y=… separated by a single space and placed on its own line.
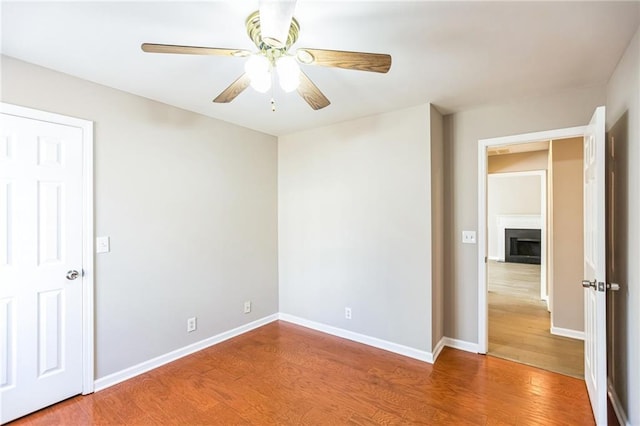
x=462 y=132
x=623 y=126
x=567 y=234
x=190 y=205
x=509 y=194
x=355 y=226
x=437 y=225
x=517 y=162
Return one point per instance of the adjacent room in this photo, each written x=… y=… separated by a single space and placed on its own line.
x=206 y=220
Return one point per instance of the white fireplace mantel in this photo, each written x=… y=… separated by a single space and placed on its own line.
x=515 y=222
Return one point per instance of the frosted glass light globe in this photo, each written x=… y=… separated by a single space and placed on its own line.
x=258 y=69
x=288 y=73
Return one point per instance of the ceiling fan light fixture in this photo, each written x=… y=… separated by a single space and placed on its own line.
x=258 y=69
x=288 y=73
x=275 y=20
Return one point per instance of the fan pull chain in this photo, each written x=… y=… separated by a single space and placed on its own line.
x=273 y=82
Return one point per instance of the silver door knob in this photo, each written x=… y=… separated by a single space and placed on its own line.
x=587 y=283
x=72 y=275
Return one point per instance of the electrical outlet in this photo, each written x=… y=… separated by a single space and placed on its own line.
x=191 y=324
x=247 y=307
x=347 y=313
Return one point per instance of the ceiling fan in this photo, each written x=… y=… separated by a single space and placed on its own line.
x=273 y=29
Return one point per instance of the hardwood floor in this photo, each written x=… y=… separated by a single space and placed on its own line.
x=285 y=374
x=519 y=322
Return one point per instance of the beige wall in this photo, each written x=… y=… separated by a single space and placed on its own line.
x=567 y=235
x=519 y=162
x=190 y=205
x=354 y=212
x=623 y=125
x=462 y=132
x=437 y=225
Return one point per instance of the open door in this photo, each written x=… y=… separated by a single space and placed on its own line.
x=594 y=280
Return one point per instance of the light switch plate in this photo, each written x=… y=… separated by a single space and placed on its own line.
x=469 y=237
x=102 y=245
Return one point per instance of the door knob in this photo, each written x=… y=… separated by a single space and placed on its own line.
x=73 y=274
x=588 y=284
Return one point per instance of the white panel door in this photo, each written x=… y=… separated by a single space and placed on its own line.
x=595 y=342
x=40 y=242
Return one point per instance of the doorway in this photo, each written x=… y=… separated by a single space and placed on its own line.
x=520 y=323
x=46 y=259
x=517 y=319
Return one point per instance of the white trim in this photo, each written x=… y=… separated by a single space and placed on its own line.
x=617 y=405
x=87 y=228
x=569 y=132
x=567 y=332
x=439 y=347
x=483 y=145
x=461 y=344
x=360 y=338
x=143 y=367
x=515 y=221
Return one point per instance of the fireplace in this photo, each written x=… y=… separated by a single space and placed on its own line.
x=522 y=246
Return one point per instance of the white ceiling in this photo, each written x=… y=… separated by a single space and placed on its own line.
x=456 y=55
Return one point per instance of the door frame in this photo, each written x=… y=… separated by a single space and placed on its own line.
x=87 y=228
x=483 y=147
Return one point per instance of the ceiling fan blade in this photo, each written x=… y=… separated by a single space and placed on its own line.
x=311 y=94
x=234 y=89
x=375 y=62
x=192 y=50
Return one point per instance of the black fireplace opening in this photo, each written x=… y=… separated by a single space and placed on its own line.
x=522 y=246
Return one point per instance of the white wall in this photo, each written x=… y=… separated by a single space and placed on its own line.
x=509 y=194
x=355 y=226
x=623 y=125
x=462 y=132
x=190 y=205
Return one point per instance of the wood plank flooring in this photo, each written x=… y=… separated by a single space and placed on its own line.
x=519 y=322
x=289 y=375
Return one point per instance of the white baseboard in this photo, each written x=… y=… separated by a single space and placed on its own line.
x=617 y=405
x=460 y=344
x=361 y=338
x=566 y=332
x=439 y=346
x=143 y=367
x=496 y=258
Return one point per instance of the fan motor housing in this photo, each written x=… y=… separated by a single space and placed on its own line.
x=253 y=30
